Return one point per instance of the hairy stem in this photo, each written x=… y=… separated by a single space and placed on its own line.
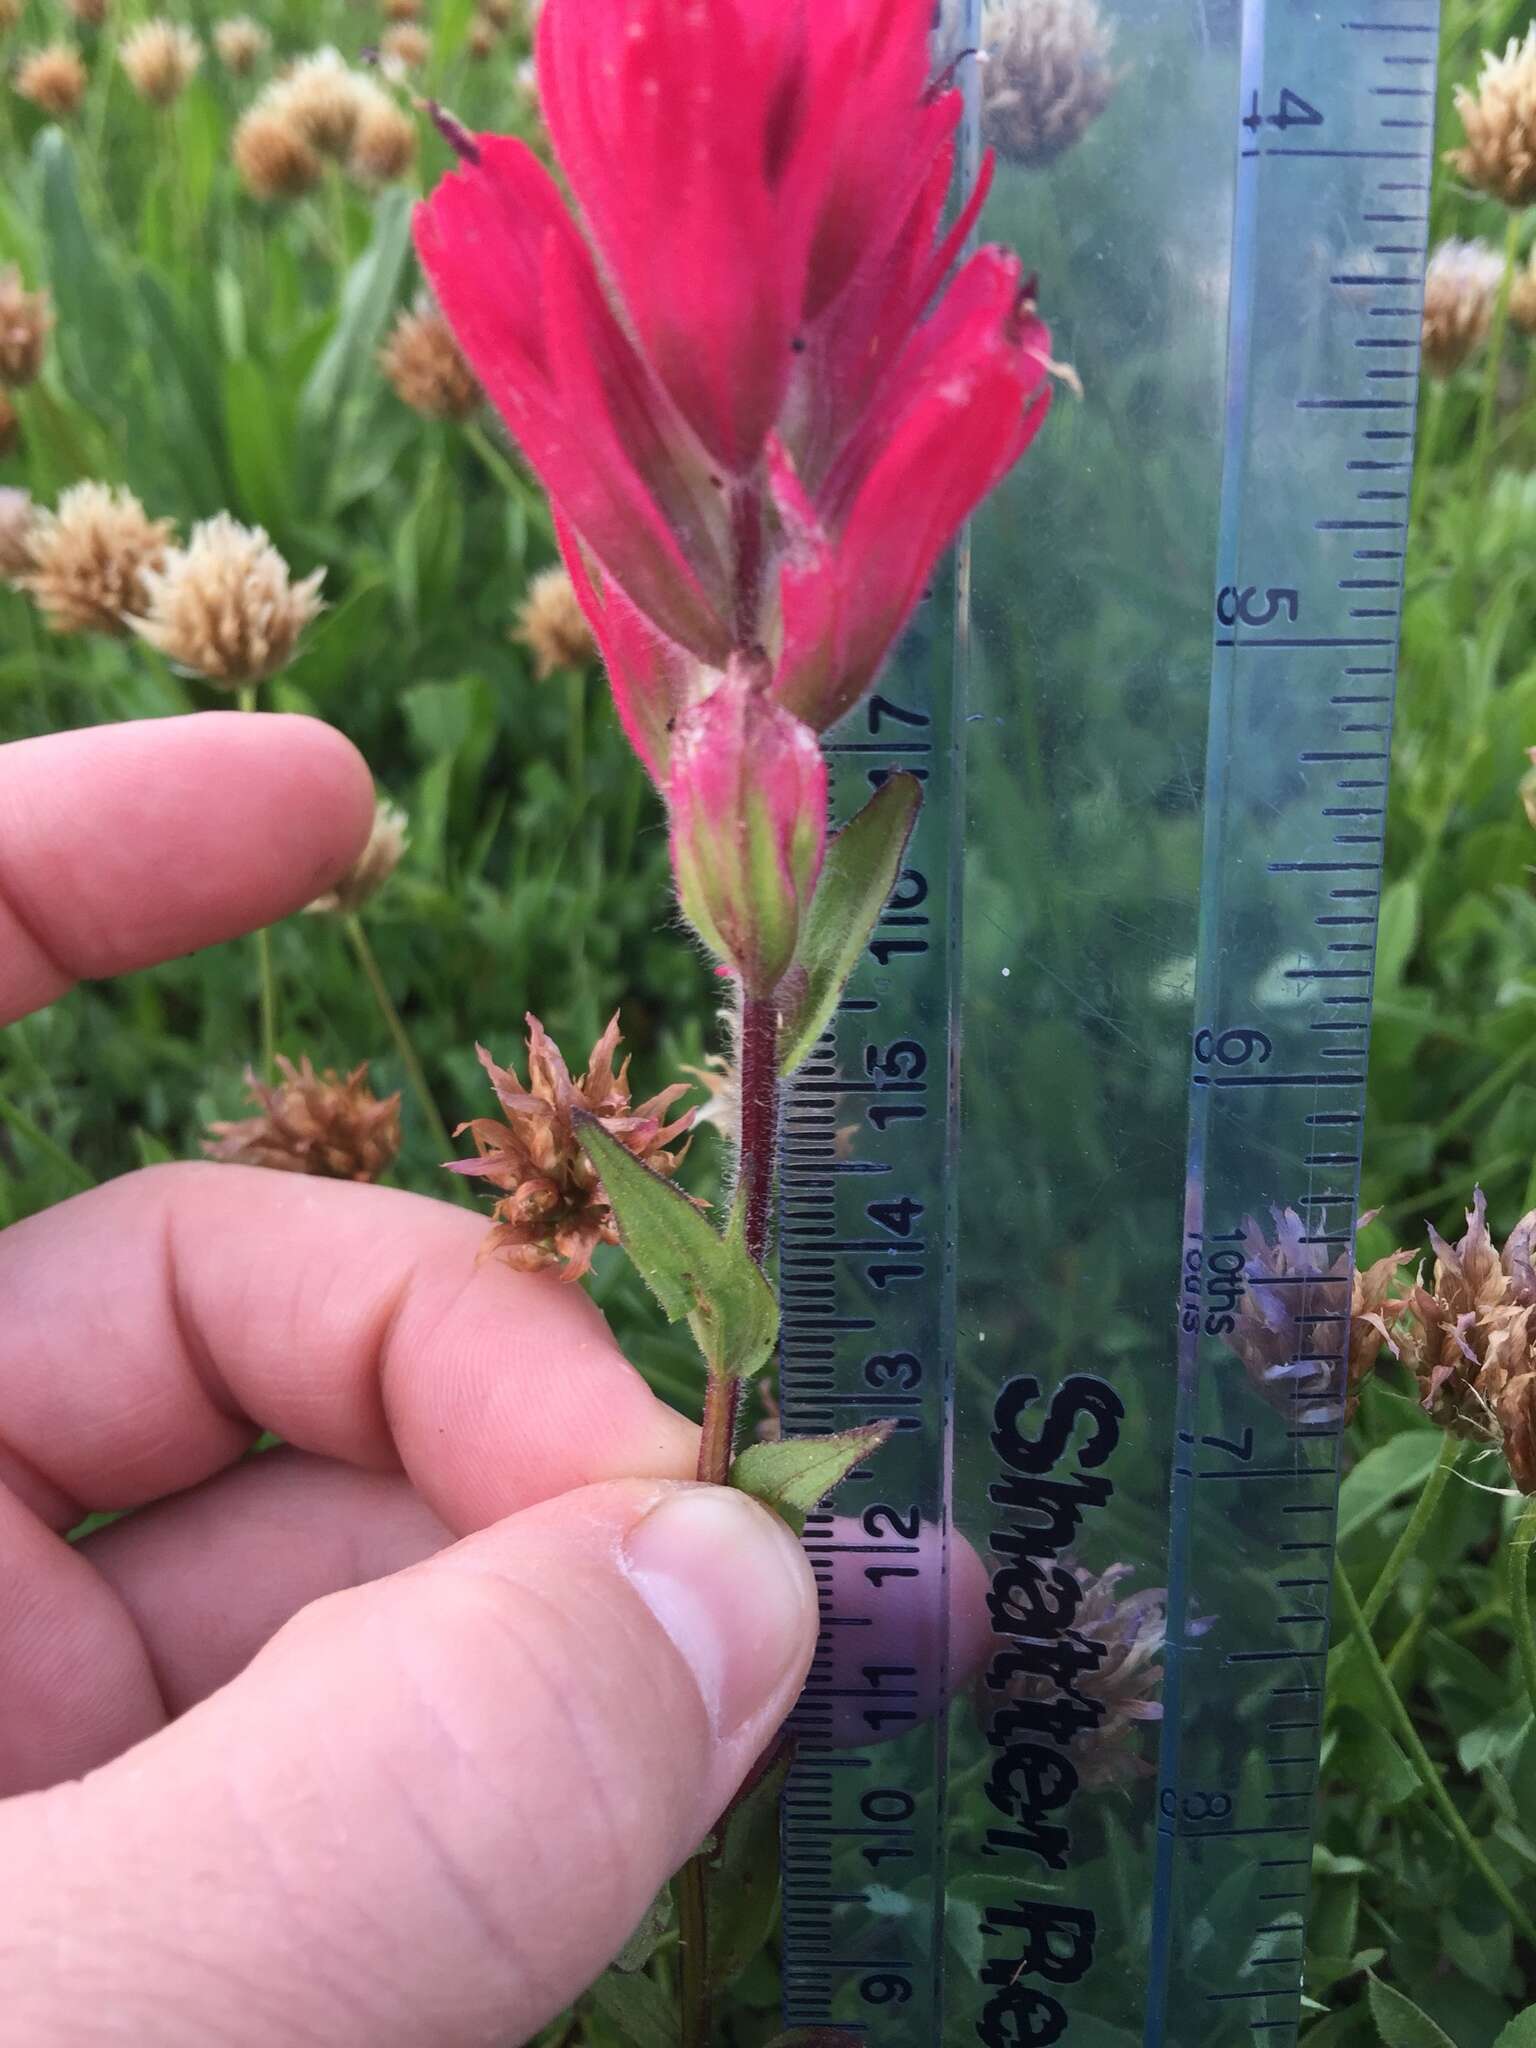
x=1401 y=1724
x=266 y=973
x=717 y=1439
x=1517 y=1564
x=759 y=1058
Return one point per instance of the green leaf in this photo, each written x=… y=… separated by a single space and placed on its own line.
x=1400 y=1465
x=1400 y=2022
x=796 y=1474
x=1521 y=2031
x=743 y=1880
x=861 y=867
x=367 y=299
x=637 y=2009
x=688 y=1266
x=642 y=1944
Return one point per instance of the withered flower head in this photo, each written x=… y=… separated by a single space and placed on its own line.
x=1046 y=77
x=53 y=78
x=384 y=143
x=402 y=10
x=89 y=13
x=225 y=606
x=552 y=625
x=1290 y=1320
x=1469 y=1339
x=272 y=158
x=406 y=46
x=26 y=319
x=553 y=1210
x=10 y=425
x=241 y=44
x=18 y=515
x=322 y=97
x=91 y=559
x=160 y=58
x=313 y=1123
x=426 y=366
x=1122 y=1685
x=1499 y=116
x=1461 y=285
x=374 y=865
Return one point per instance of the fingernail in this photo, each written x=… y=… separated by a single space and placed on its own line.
x=731 y=1587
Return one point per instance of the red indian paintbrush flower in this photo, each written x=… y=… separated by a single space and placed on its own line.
x=760 y=414
x=748 y=797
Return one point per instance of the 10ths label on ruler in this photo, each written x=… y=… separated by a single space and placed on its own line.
x=1058 y=1764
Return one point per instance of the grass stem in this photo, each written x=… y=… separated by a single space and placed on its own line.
x=394 y=1024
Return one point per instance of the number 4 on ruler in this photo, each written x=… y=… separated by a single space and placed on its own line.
x=1295 y=112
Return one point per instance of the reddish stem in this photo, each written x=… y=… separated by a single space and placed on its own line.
x=759 y=1116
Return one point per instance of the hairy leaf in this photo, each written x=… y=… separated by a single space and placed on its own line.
x=796 y=1474
x=1400 y=2022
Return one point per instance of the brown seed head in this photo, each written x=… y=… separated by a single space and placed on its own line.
x=241 y=44
x=26 y=319
x=372 y=868
x=1046 y=77
x=1461 y=284
x=402 y=10
x=91 y=559
x=1117 y=1694
x=1470 y=1339
x=322 y=97
x=1499 y=117
x=18 y=515
x=225 y=607
x=553 y=1210
x=426 y=366
x=313 y=1123
x=384 y=144
x=482 y=39
x=406 y=45
x=160 y=58
x=552 y=625
x=89 y=13
x=53 y=78
x=272 y=159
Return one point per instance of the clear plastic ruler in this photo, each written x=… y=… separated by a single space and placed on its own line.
x=1069 y=1191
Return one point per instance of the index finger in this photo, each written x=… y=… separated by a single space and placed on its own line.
x=122 y=845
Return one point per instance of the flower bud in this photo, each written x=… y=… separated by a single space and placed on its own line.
x=748 y=798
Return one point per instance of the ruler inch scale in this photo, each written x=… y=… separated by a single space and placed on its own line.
x=939 y=1891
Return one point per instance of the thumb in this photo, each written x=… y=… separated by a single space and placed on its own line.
x=433 y=1808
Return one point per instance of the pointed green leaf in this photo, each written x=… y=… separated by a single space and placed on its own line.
x=681 y=1257
x=1400 y=2022
x=637 y=2010
x=1521 y=2031
x=860 y=872
x=796 y=1474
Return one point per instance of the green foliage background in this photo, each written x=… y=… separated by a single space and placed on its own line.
x=215 y=353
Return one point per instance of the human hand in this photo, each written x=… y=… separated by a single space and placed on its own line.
x=281 y=1767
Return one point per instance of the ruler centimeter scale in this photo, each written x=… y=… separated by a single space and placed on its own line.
x=1331 y=126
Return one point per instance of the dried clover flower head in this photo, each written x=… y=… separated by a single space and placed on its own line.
x=89 y=13
x=18 y=515
x=54 y=79
x=373 y=867
x=241 y=44
x=426 y=366
x=1469 y=1339
x=1499 y=116
x=26 y=319
x=160 y=58
x=91 y=559
x=313 y=1123
x=552 y=625
x=321 y=97
x=384 y=143
x=1461 y=284
x=1303 y=1365
x=406 y=46
x=1116 y=1694
x=272 y=158
x=1046 y=78
x=225 y=607
x=553 y=1210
